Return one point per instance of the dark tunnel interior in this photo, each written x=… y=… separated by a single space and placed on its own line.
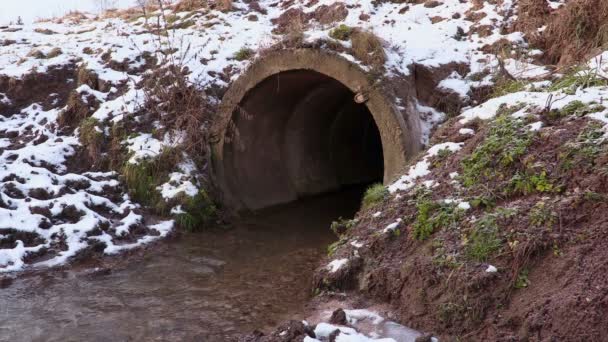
x=296 y=134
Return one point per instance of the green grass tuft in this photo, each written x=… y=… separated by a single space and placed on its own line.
x=243 y=54
x=342 y=32
x=199 y=212
x=374 y=195
x=578 y=78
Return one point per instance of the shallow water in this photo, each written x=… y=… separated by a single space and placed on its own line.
x=198 y=287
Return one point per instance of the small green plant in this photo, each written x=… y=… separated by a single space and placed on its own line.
x=441 y=157
x=483 y=202
x=484 y=239
x=592 y=196
x=433 y=215
x=556 y=250
x=243 y=54
x=340 y=226
x=440 y=256
x=199 y=211
x=522 y=279
x=577 y=108
x=143 y=177
x=585 y=149
x=450 y=312
x=332 y=248
x=506 y=142
x=542 y=216
x=341 y=32
x=572 y=108
x=374 y=195
x=528 y=183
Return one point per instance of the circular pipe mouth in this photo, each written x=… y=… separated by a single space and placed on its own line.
x=301 y=123
x=302 y=134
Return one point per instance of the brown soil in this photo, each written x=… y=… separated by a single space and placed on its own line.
x=36 y=88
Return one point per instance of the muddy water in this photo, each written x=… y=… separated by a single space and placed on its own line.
x=198 y=287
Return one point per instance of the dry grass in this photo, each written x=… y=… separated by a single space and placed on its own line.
x=189 y=5
x=368 y=48
x=75 y=112
x=193 y=5
x=578 y=30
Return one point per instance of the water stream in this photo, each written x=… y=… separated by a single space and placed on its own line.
x=207 y=286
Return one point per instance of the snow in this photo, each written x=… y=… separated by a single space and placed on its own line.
x=178 y=183
x=323 y=330
x=354 y=316
x=392 y=227
x=335 y=265
x=530 y=100
x=466 y=131
x=456 y=84
x=421 y=168
x=524 y=70
x=430 y=117
x=491 y=269
x=356 y=244
x=599 y=64
x=23 y=168
x=536 y=126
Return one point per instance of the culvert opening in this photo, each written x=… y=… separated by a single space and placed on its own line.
x=296 y=134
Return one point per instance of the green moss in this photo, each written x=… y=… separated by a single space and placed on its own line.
x=341 y=32
x=171 y=18
x=374 y=195
x=243 y=54
x=507 y=141
x=441 y=156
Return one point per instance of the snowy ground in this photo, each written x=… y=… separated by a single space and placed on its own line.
x=206 y=43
